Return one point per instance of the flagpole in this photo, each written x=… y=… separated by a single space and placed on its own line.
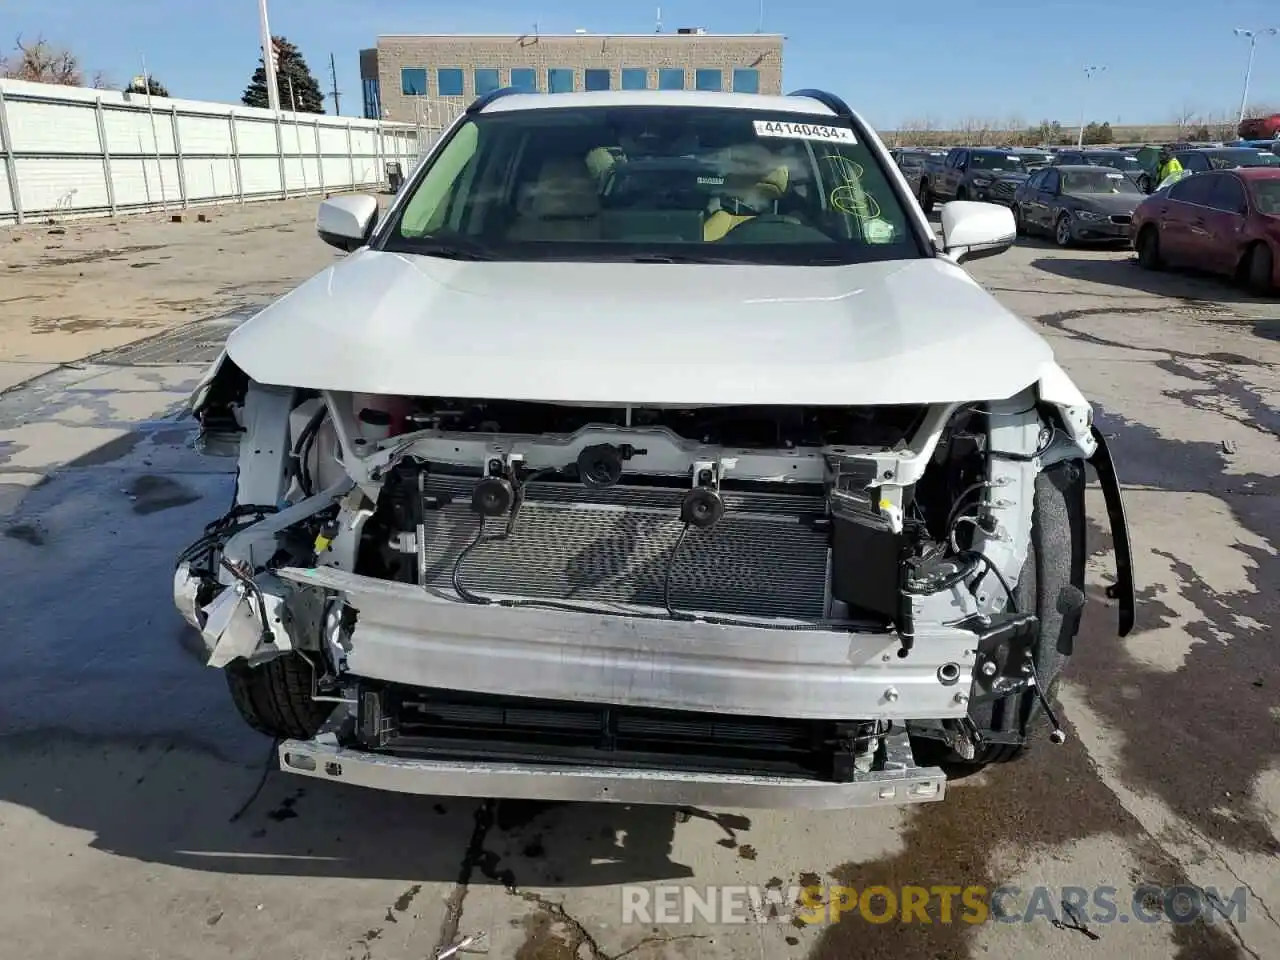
x=155 y=139
x=268 y=62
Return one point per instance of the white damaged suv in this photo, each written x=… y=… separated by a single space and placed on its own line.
x=650 y=447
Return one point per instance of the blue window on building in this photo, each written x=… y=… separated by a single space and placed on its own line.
x=486 y=80
x=671 y=78
x=709 y=81
x=372 y=98
x=746 y=80
x=635 y=78
x=413 y=82
x=597 y=80
x=524 y=78
x=560 y=80
x=449 y=81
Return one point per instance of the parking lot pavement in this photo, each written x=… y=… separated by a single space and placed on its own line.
x=139 y=817
x=71 y=289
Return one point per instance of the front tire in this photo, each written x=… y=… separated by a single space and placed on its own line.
x=1149 y=249
x=1258 y=269
x=926 y=198
x=1062 y=231
x=1019 y=225
x=275 y=697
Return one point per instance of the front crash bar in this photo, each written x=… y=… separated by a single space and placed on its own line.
x=1123 y=589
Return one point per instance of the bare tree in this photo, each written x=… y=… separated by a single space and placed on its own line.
x=1185 y=118
x=41 y=62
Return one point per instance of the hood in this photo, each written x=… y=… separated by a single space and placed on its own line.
x=905 y=331
x=1017 y=175
x=1107 y=203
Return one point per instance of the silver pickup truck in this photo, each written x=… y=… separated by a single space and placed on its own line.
x=648 y=448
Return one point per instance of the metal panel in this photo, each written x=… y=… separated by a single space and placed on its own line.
x=6 y=195
x=66 y=183
x=140 y=181
x=255 y=136
x=52 y=127
x=132 y=131
x=303 y=174
x=333 y=140
x=260 y=175
x=296 y=138
x=366 y=171
x=204 y=134
x=209 y=177
x=337 y=173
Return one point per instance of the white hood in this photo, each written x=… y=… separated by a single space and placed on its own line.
x=914 y=331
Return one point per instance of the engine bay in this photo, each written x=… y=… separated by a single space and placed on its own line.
x=738 y=427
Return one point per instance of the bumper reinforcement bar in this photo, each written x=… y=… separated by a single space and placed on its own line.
x=325 y=759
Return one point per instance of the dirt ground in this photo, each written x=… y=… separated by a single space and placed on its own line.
x=140 y=818
x=71 y=290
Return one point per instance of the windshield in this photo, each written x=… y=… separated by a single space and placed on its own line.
x=1116 y=160
x=1266 y=196
x=1226 y=159
x=700 y=184
x=995 y=161
x=1097 y=182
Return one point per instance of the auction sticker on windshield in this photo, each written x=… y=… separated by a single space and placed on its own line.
x=804 y=131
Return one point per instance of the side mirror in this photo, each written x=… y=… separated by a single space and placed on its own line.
x=972 y=230
x=347 y=222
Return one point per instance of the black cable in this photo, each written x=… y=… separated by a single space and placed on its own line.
x=297 y=469
x=465 y=552
x=674 y=614
x=982 y=558
x=666 y=580
x=253 y=588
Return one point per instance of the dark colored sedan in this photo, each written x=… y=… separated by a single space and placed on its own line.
x=1077 y=204
x=1225 y=222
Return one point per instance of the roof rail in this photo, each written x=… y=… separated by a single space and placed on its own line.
x=830 y=100
x=482 y=101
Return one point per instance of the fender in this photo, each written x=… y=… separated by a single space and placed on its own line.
x=1122 y=590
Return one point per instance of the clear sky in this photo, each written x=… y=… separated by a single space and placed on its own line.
x=893 y=60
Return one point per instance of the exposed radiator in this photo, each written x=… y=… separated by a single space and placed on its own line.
x=575 y=544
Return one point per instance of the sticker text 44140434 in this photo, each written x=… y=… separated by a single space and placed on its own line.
x=804 y=131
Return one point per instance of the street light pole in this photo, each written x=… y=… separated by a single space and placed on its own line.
x=268 y=61
x=1089 y=71
x=1252 y=36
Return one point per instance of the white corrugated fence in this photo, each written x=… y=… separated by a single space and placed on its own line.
x=72 y=151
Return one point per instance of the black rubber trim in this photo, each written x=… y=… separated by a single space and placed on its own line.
x=1123 y=589
x=830 y=100
x=482 y=101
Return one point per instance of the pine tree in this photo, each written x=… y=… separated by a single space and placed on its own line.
x=289 y=66
x=139 y=86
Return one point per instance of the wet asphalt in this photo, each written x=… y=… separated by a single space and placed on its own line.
x=139 y=817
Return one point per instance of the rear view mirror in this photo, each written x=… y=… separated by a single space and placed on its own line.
x=973 y=230
x=347 y=222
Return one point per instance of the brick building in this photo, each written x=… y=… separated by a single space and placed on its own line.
x=408 y=76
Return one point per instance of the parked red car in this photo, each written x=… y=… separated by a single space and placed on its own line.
x=1223 y=221
x=1260 y=128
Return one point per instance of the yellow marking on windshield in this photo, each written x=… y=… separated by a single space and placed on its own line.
x=848 y=196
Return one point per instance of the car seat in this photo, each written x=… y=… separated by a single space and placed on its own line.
x=761 y=197
x=562 y=204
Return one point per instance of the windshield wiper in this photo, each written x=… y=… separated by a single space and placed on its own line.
x=452 y=248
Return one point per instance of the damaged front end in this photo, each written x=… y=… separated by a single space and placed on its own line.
x=741 y=606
